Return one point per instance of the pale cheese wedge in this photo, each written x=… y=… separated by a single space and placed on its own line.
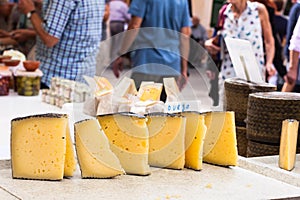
x=288 y=144
x=125 y=88
x=96 y=160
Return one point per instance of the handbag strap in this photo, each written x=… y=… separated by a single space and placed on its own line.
x=221 y=17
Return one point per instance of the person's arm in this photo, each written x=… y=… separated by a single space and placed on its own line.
x=291 y=77
x=106 y=12
x=184 y=49
x=128 y=39
x=268 y=38
x=26 y=6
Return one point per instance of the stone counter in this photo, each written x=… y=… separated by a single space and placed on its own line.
x=213 y=182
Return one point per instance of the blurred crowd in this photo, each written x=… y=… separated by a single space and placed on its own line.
x=273 y=37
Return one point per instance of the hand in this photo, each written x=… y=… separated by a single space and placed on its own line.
x=25 y=6
x=211 y=48
x=4 y=33
x=22 y=35
x=290 y=77
x=211 y=75
x=271 y=69
x=118 y=66
x=182 y=81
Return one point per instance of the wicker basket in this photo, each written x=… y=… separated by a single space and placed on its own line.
x=262 y=149
x=265 y=114
x=237 y=92
x=242 y=141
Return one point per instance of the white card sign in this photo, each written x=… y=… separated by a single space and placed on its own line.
x=243 y=59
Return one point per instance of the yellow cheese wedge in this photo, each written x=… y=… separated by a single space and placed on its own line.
x=70 y=161
x=103 y=84
x=129 y=140
x=95 y=158
x=194 y=138
x=288 y=144
x=38 y=146
x=150 y=91
x=166 y=142
x=220 y=145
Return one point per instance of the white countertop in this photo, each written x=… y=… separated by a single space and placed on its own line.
x=13 y=106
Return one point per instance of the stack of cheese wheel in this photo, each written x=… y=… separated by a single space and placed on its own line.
x=237 y=92
x=266 y=111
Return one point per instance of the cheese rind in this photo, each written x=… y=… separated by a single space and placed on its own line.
x=166 y=140
x=96 y=160
x=70 y=161
x=38 y=146
x=194 y=138
x=129 y=139
x=288 y=144
x=221 y=141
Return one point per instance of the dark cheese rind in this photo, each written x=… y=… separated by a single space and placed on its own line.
x=47 y=115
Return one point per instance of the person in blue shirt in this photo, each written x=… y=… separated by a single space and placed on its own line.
x=69 y=34
x=160 y=48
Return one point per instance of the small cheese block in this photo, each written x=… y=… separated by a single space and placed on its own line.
x=38 y=146
x=172 y=90
x=194 y=138
x=104 y=86
x=150 y=91
x=125 y=88
x=220 y=145
x=95 y=158
x=70 y=161
x=129 y=140
x=288 y=144
x=166 y=142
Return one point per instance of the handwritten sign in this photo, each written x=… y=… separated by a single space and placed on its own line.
x=181 y=106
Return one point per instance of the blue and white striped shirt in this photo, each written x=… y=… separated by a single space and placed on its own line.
x=77 y=24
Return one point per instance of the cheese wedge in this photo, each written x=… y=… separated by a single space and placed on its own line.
x=129 y=140
x=172 y=90
x=95 y=158
x=166 y=142
x=38 y=146
x=150 y=91
x=194 y=138
x=288 y=144
x=104 y=86
x=70 y=161
x=220 y=145
x=125 y=88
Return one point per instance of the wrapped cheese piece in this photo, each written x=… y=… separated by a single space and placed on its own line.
x=172 y=90
x=150 y=91
x=101 y=99
x=146 y=107
x=124 y=95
